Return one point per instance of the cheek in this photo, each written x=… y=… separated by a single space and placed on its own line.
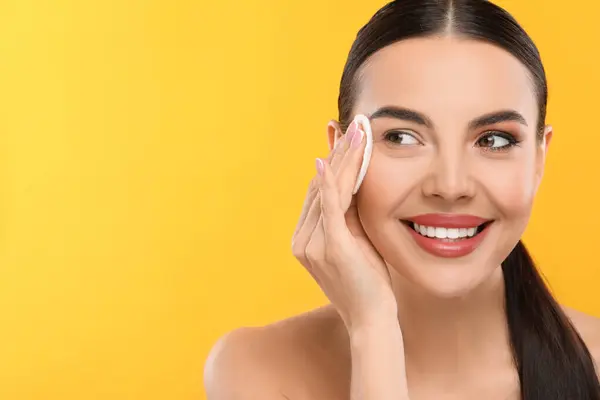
x=385 y=185
x=510 y=186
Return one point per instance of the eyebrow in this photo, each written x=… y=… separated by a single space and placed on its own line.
x=406 y=114
x=496 y=117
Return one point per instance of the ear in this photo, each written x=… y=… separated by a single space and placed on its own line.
x=542 y=153
x=334 y=133
x=548 y=131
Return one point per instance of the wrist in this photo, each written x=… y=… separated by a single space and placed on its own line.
x=375 y=316
x=377 y=327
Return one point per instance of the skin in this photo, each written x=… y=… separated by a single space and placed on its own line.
x=450 y=311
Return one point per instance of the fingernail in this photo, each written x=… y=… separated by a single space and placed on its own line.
x=358 y=138
x=320 y=166
x=350 y=133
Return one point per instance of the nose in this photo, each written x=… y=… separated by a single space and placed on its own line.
x=449 y=177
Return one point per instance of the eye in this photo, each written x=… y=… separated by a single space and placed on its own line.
x=401 y=138
x=496 y=141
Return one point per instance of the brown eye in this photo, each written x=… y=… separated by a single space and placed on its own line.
x=496 y=141
x=401 y=138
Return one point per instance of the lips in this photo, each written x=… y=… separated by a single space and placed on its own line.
x=448 y=220
x=448 y=235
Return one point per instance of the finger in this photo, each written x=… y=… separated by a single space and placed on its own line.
x=311 y=210
x=311 y=194
x=313 y=224
x=349 y=168
x=314 y=249
x=312 y=217
x=336 y=153
x=343 y=146
x=307 y=226
x=305 y=238
x=335 y=158
x=332 y=213
x=306 y=230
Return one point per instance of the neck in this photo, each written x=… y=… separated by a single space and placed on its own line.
x=453 y=337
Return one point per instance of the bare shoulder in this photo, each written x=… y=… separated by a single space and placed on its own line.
x=588 y=327
x=273 y=361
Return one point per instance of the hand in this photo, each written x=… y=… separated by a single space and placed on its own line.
x=332 y=245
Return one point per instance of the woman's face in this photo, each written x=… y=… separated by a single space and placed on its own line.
x=455 y=148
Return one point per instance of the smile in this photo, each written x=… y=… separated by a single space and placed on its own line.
x=448 y=235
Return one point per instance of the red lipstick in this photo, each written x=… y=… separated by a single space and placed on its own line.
x=448 y=220
x=446 y=247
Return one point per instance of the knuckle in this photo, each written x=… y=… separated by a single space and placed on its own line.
x=310 y=257
x=313 y=255
x=297 y=248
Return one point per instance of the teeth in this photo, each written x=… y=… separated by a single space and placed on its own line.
x=445 y=233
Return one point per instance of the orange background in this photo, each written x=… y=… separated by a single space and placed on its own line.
x=153 y=160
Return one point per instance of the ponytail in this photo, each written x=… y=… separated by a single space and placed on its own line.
x=552 y=360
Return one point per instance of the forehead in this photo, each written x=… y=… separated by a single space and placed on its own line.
x=448 y=78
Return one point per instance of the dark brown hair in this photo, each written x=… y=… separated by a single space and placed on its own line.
x=552 y=361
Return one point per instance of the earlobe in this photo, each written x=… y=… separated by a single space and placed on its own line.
x=334 y=133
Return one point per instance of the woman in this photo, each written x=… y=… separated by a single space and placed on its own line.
x=433 y=295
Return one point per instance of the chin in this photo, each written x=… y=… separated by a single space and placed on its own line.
x=452 y=283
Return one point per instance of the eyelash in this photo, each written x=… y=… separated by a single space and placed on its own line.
x=512 y=141
x=398 y=133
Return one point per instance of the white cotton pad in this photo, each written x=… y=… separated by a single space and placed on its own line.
x=364 y=123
